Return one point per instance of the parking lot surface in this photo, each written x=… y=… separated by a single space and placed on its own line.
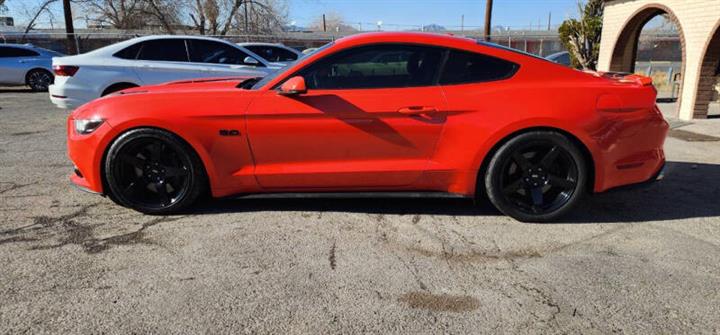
x=631 y=261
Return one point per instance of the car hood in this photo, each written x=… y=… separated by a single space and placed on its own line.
x=190 y=85
x=144 y=101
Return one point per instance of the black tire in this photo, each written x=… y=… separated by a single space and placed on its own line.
x=153 y=171
x=117 y=87
x=537 y=176
x=39 y=80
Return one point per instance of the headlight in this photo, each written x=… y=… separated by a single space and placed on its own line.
x=84 y=127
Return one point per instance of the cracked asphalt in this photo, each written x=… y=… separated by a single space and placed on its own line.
x=628 y=261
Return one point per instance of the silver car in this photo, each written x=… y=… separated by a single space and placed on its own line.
x=25 y=64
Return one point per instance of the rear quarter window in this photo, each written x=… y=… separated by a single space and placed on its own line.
x=468 y=67
x=130 y=52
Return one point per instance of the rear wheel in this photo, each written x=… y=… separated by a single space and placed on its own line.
x=153 y=171
x=39 y=80
x=536 y=176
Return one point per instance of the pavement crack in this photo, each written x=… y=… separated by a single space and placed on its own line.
x=331 y=257
x=13 y=186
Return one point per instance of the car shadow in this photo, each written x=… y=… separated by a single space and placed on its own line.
x=689 y=190
x=17 y=90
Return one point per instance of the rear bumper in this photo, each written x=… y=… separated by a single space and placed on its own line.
x=657 y=177
x=632 y=150
x=67 y=96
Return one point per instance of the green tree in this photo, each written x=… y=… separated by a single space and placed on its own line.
x=582 y=37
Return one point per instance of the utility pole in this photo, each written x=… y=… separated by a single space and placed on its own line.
x=488 y=17
x=549 y=19
x=324 y=26
x=462 y=22
x=246 y=18
x=69 y=29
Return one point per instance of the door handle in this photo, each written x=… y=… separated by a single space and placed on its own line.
x=416 y=110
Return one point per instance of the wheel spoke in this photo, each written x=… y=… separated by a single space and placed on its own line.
x=513 y=187
x=163 y=193
x=134 y=161
x=536 y=194
x=155 y=150
x=560 y=182
x=130 y=189
x=171 y=171
x=550 y=157
x=521 y=161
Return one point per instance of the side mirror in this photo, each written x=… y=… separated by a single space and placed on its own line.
x=293 y=86
x=250 y=61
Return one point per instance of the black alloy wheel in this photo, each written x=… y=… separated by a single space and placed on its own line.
x=39 y=80
x=536 y=176
x=153 y=171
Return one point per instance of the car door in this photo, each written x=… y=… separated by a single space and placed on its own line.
x=367 y=121
x=224 y=60
x=14 y=64
x=164 y=60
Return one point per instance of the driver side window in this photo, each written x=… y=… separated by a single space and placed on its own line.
x=377 y=66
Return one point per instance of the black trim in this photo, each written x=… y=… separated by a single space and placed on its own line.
x=438 y=75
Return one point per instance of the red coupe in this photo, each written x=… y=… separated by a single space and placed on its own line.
x=377 y=112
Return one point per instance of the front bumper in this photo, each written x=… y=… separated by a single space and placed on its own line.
x=83 y=151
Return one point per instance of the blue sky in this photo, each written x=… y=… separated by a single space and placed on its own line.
x=515 y=13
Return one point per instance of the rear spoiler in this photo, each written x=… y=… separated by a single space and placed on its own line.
x=624 y=77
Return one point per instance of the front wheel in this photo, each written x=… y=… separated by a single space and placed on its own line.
x=153 y=171
x=536 y=176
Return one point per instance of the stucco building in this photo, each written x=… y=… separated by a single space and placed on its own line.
x=698 y=23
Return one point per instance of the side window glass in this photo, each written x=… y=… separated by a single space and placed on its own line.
x=130 y=52
x=203 y=51
x=378 y=66
x=170 y=50
x=273 y=54
x=16 y=52
x=468 y=67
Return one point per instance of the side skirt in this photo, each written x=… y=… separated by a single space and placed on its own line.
x=349 y=195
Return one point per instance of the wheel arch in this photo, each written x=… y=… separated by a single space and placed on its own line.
x=201 y=154
x=582 y=145
x=125 y=84
x=27 y=73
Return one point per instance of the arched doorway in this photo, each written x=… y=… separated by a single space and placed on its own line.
x=625 y=51
x=709 y=73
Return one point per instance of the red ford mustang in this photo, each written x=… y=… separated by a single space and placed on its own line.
x=377 y=112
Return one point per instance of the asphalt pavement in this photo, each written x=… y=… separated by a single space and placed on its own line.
x=629 y=261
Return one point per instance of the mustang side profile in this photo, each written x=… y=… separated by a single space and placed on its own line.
x=377 y=112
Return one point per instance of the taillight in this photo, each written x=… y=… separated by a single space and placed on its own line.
x=65 y=70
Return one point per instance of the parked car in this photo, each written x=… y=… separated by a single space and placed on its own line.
x=562 y=57
x=149 y=60
x=26 y=64
x=438 y=114
x=272 y=52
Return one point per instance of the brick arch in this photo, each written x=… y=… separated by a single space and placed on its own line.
x=709 y=71
x=625 y=48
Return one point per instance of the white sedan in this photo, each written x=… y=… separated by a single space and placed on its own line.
x=146 y=61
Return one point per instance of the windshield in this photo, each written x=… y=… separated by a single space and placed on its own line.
x=275 y=74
